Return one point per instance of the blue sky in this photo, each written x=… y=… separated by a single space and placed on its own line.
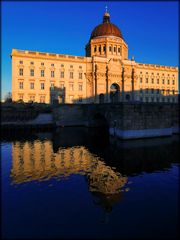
x=149 y=28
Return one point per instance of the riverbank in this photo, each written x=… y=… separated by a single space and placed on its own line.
x=124 y=120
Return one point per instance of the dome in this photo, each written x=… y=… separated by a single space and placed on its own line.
x=106 y=28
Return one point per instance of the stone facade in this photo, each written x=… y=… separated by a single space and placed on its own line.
x=104 y=75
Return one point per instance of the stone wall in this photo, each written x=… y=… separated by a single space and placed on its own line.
x=70 y=115
x=125 y=120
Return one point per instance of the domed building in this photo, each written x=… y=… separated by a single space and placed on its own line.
x=107 y=41
x=104 y=75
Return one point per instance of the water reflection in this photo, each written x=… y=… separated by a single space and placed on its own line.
x=36 y=160
x=90 y=175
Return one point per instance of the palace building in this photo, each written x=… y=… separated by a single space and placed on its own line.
x=104 y=75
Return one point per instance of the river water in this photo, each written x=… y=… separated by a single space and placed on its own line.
x=81 y=183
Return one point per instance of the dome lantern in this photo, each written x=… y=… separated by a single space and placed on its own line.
x=106 y=28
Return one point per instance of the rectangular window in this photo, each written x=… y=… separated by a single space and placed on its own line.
x=80 y=99
x=62 y=74
x=31 y=85
x=32 y=98
x=95 y=49
x=42 y=86
x=80 y=87
x=80 y=67
x=168 y=91
x=80 y=75
x=21 y=71
x=110 y=48
x=52 y=85
x=168 y=81
x=21 y=62
x=71 y=66
x=71 y=75
x=99 y=49
x=104 y=48
x=173 y=92
x=52 y=65
x=114 y=49
x=146 y=80
x=152 y=90
x=71 y=87
x=141 y=80
x=71 y=98
x=20 y=96
x=162 y=81
x=42 y=73
x=32 y=72
x=32 y=63
x=20 y=85
x=42 y=64
x=62 y=86
x=62 y=65
x=42 y=99
x=52 y=74
x=173 y=82
x=152 y=80
x=118 y=50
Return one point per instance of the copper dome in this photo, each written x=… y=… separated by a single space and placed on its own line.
x=106 y=28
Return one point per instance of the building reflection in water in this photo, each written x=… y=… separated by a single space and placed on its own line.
x=36 y=160
x=105 y=164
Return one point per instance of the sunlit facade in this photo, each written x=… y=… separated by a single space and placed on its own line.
x=105 y=74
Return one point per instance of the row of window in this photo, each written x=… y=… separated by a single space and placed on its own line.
x=157 y=74
x=42 y=73
x=32 y=98
x=153 y=99
x=157 y=81
x=112 y=49
x=52 y=64
x=157 y=91
x=43 y=98
x=42 y=86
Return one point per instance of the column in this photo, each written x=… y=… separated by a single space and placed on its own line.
x=107 y=83
x=122 y=83
x=132 y=83
x=95 y=81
